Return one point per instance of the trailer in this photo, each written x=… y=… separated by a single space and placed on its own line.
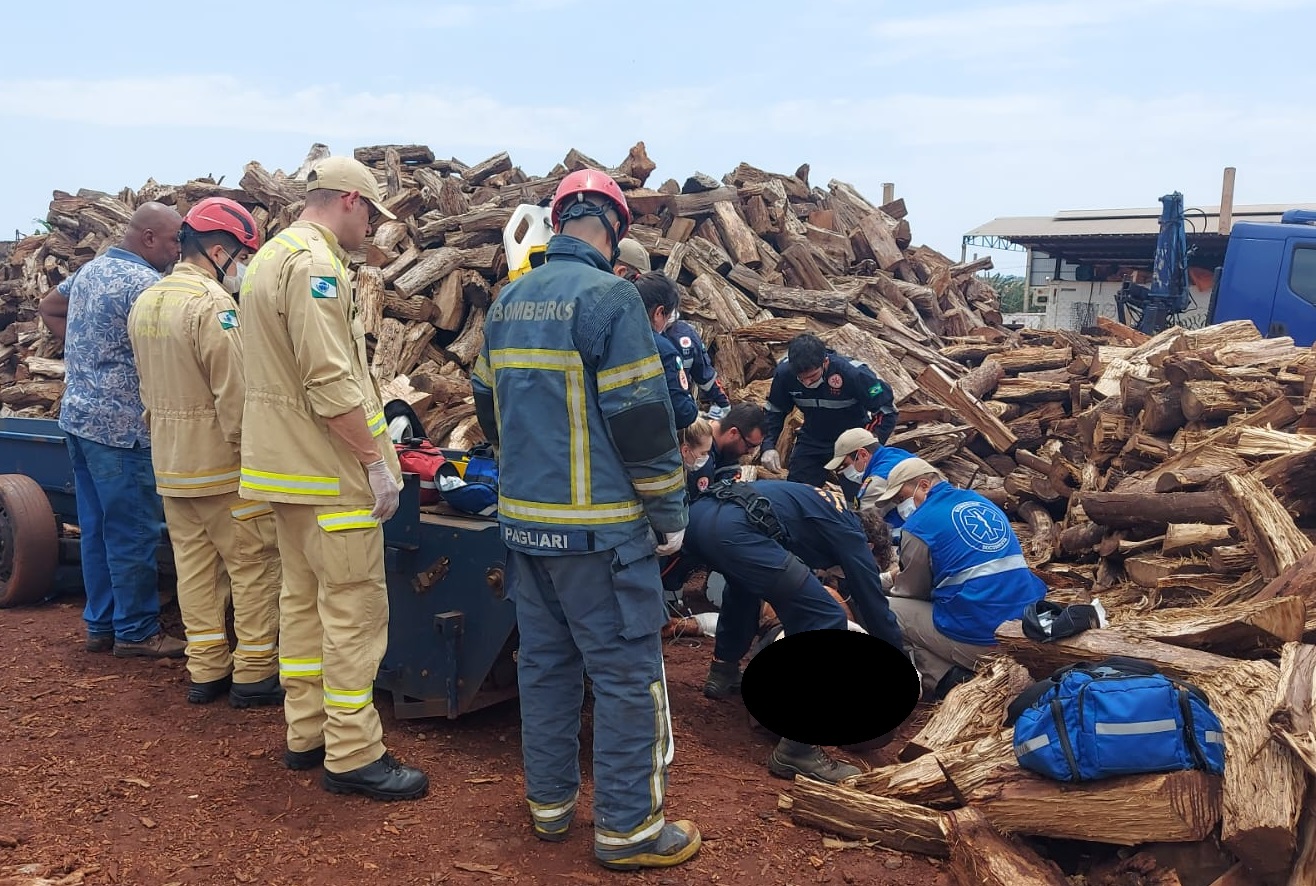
x=452 y=631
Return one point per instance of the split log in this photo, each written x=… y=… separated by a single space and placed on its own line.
x=1235 y=559
x=1081 y=538
x=1125 y=510
x=1184 y=539
x=1304 y=867
x=970 y=408
x=828 y=303
x=1041 y=541
x=1267 y=526
x=739 y=238
x=890 y=824
x=972 y=710
x=436 y=265
x=922 y=782
x=466 y=347
x=1022 y=390
x=981 y=856
x=981 y=382
x=1032 y=359
x=1214 y=401
x=1239 y=875
x=1291 y=478
x=1264 y=784
x=1293 y=720
x=1147 y=571
x=1162 y=411
x=1238 y=630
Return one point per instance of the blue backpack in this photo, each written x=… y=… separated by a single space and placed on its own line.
x=1116 y=717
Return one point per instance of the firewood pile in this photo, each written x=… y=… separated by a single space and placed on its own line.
x=760 y=258
x=1174 y=479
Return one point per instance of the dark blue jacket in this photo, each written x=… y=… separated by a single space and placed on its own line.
x=568 y=385
x=684 y=408
x=695 y=361
x=850 y=396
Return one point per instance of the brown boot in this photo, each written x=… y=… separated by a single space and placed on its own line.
x=159 y=646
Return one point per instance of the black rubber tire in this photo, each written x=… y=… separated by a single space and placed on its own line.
x=29 y=541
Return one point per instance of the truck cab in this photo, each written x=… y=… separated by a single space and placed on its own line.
x=1269 y=277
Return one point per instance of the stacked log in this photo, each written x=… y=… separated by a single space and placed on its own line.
x=760 y=257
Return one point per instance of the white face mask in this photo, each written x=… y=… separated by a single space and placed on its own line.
x=672 y=318
x=698 y=463
x=813 y=384
x=853 y=474
x=233 y=282
x=906 y=508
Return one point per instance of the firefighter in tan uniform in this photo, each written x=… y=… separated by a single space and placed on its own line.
x=314 y=446
x=185 y=341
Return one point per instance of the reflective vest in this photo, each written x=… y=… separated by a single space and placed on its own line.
x=873 y=483
x=979 y=576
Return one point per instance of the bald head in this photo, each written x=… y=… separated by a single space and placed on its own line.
x=152 y=233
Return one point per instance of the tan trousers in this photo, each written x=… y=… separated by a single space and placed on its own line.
x=212 y=536
x=934 y=652
x=333 y=630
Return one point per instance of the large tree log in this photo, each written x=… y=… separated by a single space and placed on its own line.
x=1124 y=510
x=437 y=264
x=981 y=856
x=740 y=240
x=1304 y=867
x=1237 y=630
x=1042 y=537
x=1267 y=526
x=1293 y=720
x=1162 y=411
x=859 y=816
x=1081 y=538
x=968 y=407
x=972 y=710
x=1264 y=784
x=982 y=381
x=1292 y=479
x=1023 y=390
x=826 y=303
x=1031 y=359
x=1208 y=401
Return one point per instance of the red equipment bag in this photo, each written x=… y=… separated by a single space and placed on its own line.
x=424 y=459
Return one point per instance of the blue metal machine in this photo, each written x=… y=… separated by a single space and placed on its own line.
x=452 y=631
x=1151 y=310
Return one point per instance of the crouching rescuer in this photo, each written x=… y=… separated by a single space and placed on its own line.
x=570 y=388
x=185 y=341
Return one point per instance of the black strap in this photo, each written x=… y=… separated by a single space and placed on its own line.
x=758 y=510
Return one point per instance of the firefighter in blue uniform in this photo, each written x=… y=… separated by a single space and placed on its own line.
x=632 y=261
x=962 y=574
x=833 y=393
x=568 y=386
x=766 y=538
x=660 y=297
x=866 y=463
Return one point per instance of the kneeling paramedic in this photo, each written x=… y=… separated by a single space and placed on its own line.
x=962 y=573
x=766 y=538
x=660 y=296
x=865 y=463
x=569 y=387
x=185 y=339
x=314 y=445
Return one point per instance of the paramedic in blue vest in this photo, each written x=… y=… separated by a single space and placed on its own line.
x=660 y=296
x=866 y=463
x=569 y=388
x=833 y=393
x=632 y=261
x=962 y=573
x=816 y=531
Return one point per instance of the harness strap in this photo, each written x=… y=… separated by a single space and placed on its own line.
x=758 y=510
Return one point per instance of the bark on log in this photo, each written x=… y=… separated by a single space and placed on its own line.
x=1267 y=526
x=1041 y=541
x=972 y=710
x=1304 y=867
x=859 y=816
x=436 y=265
x=970 y=408
x=1032 y=359
x=1184 y=539
x=981 y=856
x=740 y=240
x=1238 y=630
x=1122 y=510
x=826 y=303
x=981 y=382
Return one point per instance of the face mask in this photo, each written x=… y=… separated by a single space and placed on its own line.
x=699 y=463
x=906 y=508
x=233 y=282
x=672 y=318
x=853 y=474
x=814 y=384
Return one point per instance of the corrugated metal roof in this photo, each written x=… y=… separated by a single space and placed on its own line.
x=1121 y=222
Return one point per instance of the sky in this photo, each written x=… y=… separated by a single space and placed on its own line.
x=974 y=110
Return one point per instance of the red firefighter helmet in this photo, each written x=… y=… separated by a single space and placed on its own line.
x=223 y=214
x=590 y=181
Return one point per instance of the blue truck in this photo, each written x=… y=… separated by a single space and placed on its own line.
x=1269 y=277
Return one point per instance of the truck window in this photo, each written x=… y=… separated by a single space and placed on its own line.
x=1302 y=275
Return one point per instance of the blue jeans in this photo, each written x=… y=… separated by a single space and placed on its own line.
x=119 y=515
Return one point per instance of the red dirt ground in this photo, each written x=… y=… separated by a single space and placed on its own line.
x=108 y=776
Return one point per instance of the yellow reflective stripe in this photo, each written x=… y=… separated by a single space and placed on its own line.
x=660 y=485
x=256 y=647
x=481 y=371
x=250 y=511
x=646 y=831
x=210 y=638
x=550 y=359
x=295 y=483
x=629 y=373
x=578 y=427
x=340 y=520
x=658 y=775
x=377 y=424
x=292 y=241
x=171 y=480
x=348 y=699
x=543 y=512
x=300 y=667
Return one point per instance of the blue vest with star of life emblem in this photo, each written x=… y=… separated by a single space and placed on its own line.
x=979 y=576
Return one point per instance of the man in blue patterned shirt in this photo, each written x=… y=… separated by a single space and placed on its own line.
x=119 y=513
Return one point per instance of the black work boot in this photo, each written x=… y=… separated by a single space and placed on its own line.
x=262 y=692
x=303 y=760
x=384 y=779
x=952 y=678
x=723 y=680
x=205 y=693
x=792 y=758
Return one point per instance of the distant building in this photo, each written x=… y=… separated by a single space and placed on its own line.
x=1078 y=259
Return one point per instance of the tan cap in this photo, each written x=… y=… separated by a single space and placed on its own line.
x=909 y=469
x=347 y=174
x=630 y=252
x=851 y=441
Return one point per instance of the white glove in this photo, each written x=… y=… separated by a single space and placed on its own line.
x=770 y=459
x=717 y=413
x=888 y=581
x=672 y=545
x=385 y=488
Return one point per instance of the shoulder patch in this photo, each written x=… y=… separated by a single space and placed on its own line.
x=324 y=287
x=876 y=390
x=228 y=319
